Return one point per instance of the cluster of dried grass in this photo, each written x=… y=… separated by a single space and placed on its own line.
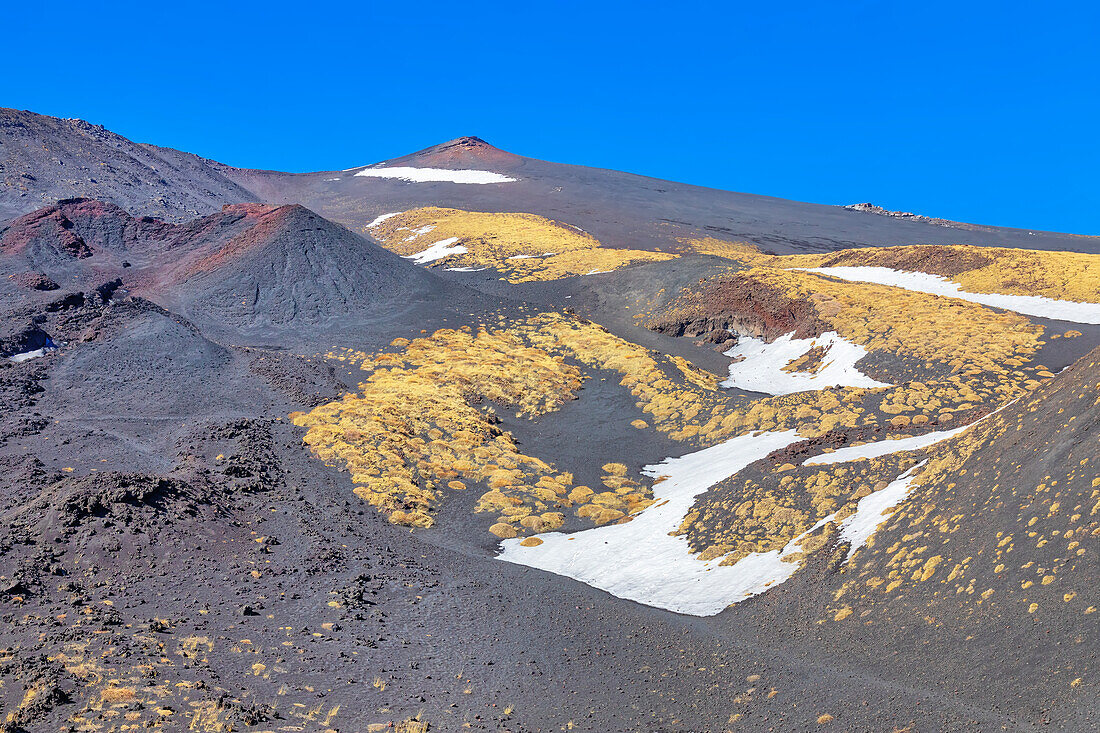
x=413 y=429
x=748 y=514
x=522 y=247
x=1023 y=567
x=1058 y=275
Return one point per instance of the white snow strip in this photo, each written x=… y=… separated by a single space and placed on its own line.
x=332 y=179
x=418 y=232
x=922 y=282
x=859 y=527
x=531 y=257
x=438 y=251
x=596 y=272
x=31 y=354
x=466 y=269
x=761 y=366
x=883 y=447
x=382 y=218
x=640 y=561
x=427 y=175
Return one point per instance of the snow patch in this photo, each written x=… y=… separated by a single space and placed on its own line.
x=438 y=251
x=382 y=218
x=48 y=345
x=922 y=282
x=427 y=175
x=883 y=447
x=640 y=561
x=418 y=232
x=859 y=527
x=531 y=257
x=760 y=368
x=466 y=269
x=32 y=354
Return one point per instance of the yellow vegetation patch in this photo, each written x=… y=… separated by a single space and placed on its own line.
x=681 y=411
x=881 y=318
x=125 y=689
x=737 y=251
x=503 y=530
x=195 y=647
x=523 y=247
x=937 y=537
x=747 y=514
x=693 y=374
x=112 y=695
x=1058 y=275
x=414 y=430
x=980 y=356
x=812 y=362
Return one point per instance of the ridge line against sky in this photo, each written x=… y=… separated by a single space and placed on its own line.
x=980 y=112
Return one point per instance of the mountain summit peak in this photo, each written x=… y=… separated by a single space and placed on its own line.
x=462 y=152
x=468 y=141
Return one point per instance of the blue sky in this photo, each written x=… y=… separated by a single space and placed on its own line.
x=978 y=111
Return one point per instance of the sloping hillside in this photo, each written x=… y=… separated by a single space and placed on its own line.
x=247 y=269
x=523 y=446
x=44 y=159
x=290 y=268
x=619 y=209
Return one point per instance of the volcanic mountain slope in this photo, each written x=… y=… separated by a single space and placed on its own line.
x=46 y=158
x=995 y=549
x=258 y=473
x=987 y=562
x=197 y=569
x=43 y=159
x=458 y=154
x=292 y=268
x=249 y=268
x=75 y=239
x=618 y=209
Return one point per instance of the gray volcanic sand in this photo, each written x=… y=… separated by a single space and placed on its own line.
x=418 y=609
x=45 y=159
x=621 y=209
x=195 y=510
x=431 y=613
x=435 y=623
